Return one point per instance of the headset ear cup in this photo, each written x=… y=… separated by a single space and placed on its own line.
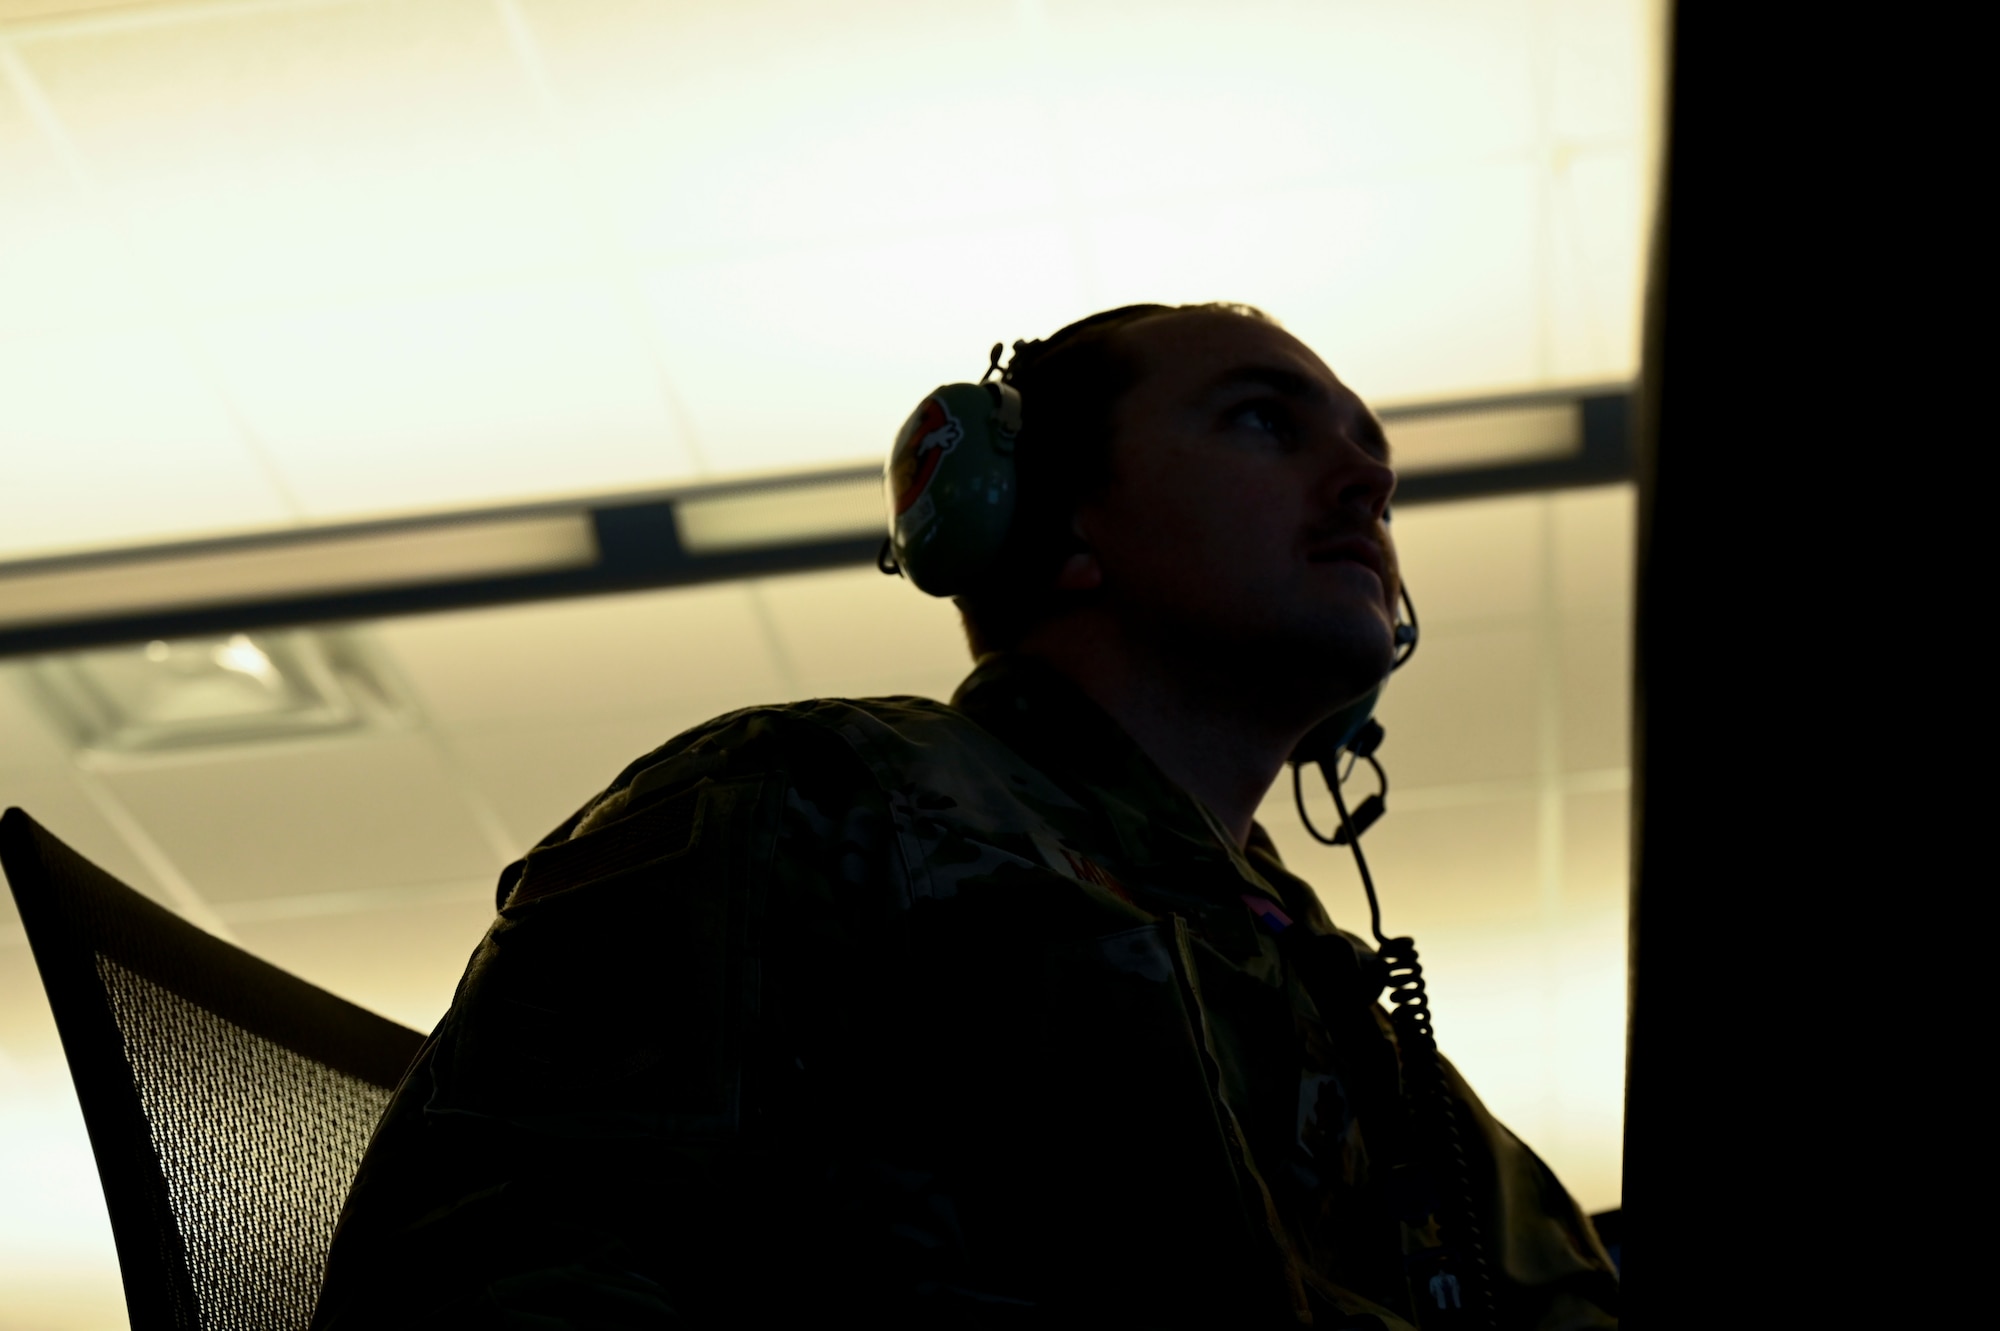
x=951 y=487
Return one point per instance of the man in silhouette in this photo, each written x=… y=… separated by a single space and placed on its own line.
x=1002 y=1012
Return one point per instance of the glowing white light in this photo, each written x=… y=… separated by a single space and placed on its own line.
x=246 y=658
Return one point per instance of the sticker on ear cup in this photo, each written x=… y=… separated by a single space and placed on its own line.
x=931 y=432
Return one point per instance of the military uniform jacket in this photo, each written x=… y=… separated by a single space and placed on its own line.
x=918 y=1015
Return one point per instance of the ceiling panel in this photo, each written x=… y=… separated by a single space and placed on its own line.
x=1157 y=96
x=333 y=816
x=1534 y=1020
x=1594 y=200
x=1594 y=534
x=1464 y=865
x=1464 y=710
x=1474 y=562
x=55 y=1247
x=1595 y=661
x=759 y=126
x=400 y=961
x=635 y=657
x=112 y=438
x=27 y=1028
x=27 y=739
x=34 y=775
x=538 y=775
x=281 y=153
x=64 y=1294
x=1436 y=868
x=816 y=355
x=1582 y=1097
x=1596 y=874
x=544 y=705
x=53 y=798
x=857 y=633
x=1601 y=67
x=446 y=398
x=1383 y=279
x=61 y=266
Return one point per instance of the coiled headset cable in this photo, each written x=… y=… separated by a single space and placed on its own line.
x=1453 y=1284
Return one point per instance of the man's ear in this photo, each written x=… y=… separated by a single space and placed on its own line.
x=1080 y=573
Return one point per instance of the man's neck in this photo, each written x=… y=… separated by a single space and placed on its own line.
x=1218 y=740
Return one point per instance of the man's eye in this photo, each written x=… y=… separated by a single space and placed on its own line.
x=1260 y=416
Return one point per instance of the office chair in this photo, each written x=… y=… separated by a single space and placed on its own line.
x=228 y=1102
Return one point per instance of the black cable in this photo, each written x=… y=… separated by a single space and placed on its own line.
x=1458 y=1279
x=1360 y=860
x=1367 y=881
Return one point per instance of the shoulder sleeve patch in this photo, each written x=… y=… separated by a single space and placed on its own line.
x=659 y=831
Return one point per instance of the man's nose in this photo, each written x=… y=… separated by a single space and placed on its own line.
x=1358 y=481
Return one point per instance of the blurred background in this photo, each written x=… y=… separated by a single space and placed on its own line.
x=275 y=267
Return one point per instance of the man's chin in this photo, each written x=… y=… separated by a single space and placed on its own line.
x=1316 y=671
x=1327 y=660
x=1348 y=663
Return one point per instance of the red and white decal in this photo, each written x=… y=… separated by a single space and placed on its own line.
x=931 y=432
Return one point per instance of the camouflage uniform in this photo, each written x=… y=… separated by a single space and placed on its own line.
x=924 y=1015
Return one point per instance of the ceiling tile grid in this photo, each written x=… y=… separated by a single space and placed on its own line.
x=438 y=252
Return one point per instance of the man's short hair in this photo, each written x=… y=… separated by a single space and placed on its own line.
x=1071 y=383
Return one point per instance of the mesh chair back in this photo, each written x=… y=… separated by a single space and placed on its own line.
x=228 y=1102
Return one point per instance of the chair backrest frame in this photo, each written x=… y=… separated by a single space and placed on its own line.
x=74 y=913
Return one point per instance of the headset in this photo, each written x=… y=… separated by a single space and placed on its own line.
x=952 y=487
x=951 y=484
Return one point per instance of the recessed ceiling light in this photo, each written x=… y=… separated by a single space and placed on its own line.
x=781 y=514
x=240 y=688
x=1493 y=437
x=295 y=564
